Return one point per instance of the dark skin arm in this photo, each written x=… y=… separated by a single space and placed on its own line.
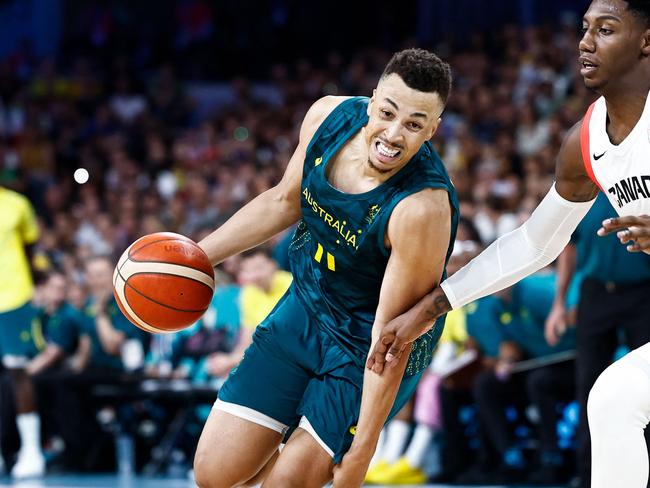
x=572 y=183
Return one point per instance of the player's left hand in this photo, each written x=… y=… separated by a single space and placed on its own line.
x=404 y=329
x=352 y=471
x=394 y=338
x=634 y=230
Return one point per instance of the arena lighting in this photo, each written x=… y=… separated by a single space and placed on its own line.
x=81 y=175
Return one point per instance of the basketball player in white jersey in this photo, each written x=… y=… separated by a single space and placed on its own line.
x=609 y=151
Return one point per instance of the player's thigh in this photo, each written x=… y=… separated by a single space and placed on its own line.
x=232 y=450
x=303 y=463
x=326 y=433
x=275 y=370
x=331 y=405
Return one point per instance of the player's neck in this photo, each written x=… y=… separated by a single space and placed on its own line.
x=626 y=97
x=350 y=171
x=372 y=173
x=624 y=110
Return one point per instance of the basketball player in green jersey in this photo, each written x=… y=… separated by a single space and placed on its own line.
x=375 y=209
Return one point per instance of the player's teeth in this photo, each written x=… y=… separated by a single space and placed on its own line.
x=384 y=150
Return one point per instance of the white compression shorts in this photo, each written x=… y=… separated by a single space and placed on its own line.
x=519 y=253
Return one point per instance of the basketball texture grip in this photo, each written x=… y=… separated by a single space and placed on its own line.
x=163 y=282
x=519 y=253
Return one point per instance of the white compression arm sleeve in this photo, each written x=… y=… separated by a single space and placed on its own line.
x=519 y=253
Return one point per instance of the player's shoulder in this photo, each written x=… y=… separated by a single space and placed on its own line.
x=571 y=146
x=325 y=105
x=422 y=206
x=420 y=214
x=319 y=111
x=572 y=179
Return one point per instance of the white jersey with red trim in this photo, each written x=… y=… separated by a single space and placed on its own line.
x=621 y=171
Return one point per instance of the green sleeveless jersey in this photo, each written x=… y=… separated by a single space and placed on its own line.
x=337 y=255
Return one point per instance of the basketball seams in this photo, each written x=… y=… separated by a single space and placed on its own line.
x=186 y=241
x=126 y=283
x=155 y=242
x=130 y=313
x=193 y=266
x=164 y=236
x=171 y=269
x=120 y=263
x=181 y=310
x=168 y=274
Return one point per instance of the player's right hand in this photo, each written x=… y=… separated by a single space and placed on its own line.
x=633 y=230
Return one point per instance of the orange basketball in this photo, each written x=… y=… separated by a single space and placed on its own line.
x=163 y=282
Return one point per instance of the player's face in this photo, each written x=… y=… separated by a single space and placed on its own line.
x=400 y=120
x=612 y=43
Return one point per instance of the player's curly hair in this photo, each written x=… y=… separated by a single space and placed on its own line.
x=421 y=70
x=641 y=9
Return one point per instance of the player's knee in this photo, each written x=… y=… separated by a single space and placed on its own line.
x=619 y=397
x=202 y=472
x=208 y=473
x=609 y=399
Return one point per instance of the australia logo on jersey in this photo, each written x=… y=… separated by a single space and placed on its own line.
x=372 y=213
x=338 y=225
x=630 y=190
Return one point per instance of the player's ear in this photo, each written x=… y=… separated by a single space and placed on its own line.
x=372 y=100
x=645 y=43
x=434 y=128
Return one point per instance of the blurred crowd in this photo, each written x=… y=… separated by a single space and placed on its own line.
x=155 y=163
x=158 y=160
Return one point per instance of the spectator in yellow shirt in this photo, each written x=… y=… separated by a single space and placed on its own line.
x=263 y=284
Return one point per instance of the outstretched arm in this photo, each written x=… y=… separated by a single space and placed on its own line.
x=275 y=209
x=509 y=259
x=418 y=235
